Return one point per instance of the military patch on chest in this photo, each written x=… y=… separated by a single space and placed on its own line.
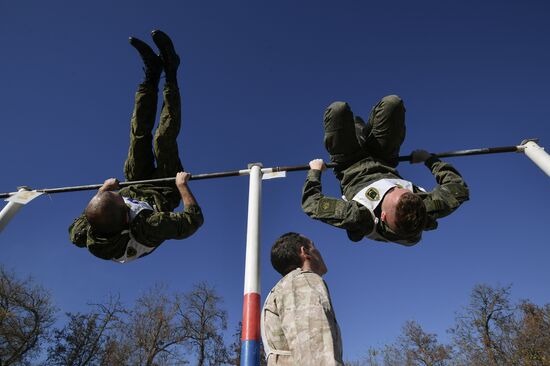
x=372 y=194
x=326 y=206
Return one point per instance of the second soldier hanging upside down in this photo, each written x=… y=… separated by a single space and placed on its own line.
x=377 y=202
x=131 y=223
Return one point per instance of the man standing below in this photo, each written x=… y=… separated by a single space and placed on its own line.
x=298 y=322
x=378 y=203
x=131 y=223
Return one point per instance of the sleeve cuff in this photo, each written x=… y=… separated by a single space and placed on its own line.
x=431 y=161
x=192 y=209
x=314 y=174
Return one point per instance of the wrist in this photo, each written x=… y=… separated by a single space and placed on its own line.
x=314 y=174
x=431 y=161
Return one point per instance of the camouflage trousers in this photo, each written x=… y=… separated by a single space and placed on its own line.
x=348 y=139
x=158 y=157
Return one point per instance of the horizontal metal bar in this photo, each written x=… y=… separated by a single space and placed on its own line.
x=455 y=153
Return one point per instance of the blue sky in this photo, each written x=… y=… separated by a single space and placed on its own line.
x=255 y=79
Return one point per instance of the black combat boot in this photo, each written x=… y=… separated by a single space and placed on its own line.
x=152 y=62
x=170 y=58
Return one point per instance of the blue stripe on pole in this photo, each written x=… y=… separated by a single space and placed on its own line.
x=250 y=353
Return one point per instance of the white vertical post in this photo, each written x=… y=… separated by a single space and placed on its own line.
x=250 y=341
x=9 y=211
x=537 y=155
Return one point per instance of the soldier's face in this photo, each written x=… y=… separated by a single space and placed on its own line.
x=389 y=204
x=317 y=263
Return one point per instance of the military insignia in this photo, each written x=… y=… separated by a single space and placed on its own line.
x=372 y=194
x=130 y=252
x=327 y=206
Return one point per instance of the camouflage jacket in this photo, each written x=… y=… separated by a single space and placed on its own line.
x=149 y=228
x=298 y=323
x=451 y=191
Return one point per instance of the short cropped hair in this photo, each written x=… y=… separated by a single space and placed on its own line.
x=285 y=253
x=410 y=215
x=106 y=215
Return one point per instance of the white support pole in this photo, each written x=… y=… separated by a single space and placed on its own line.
x=537 y=155
x=250 y=341
x=9 y=211
x=252 y=268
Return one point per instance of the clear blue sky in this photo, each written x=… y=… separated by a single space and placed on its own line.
x=255 y=79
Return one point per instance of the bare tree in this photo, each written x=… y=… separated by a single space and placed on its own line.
x=204 y=321
x=235 y=348
x=417 y=348
x=488 y=332
x=154 y=330
x=484 y=330
x=413 y=347
x=117 y=352
x=372 y=358
x=84 y=339
x=26 y=315
x=421 y=348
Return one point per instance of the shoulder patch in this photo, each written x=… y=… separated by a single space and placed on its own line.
x=372 y=194
x=326 y=206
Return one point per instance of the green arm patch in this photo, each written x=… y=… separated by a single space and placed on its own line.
x=326 y=206
x=78 y=231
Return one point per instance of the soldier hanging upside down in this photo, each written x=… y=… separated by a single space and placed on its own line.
x=134 y=221
x=377 y=202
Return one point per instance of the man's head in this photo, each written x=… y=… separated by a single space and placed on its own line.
x=292 y=251
x=403 y=212
x=107 y=213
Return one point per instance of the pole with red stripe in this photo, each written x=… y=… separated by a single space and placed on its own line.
x=250 y=341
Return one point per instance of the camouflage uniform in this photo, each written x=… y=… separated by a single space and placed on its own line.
x=149 y=227
x=366 y=153
x=299 y=324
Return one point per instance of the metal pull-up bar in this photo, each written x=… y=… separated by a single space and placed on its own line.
x=525 y=147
